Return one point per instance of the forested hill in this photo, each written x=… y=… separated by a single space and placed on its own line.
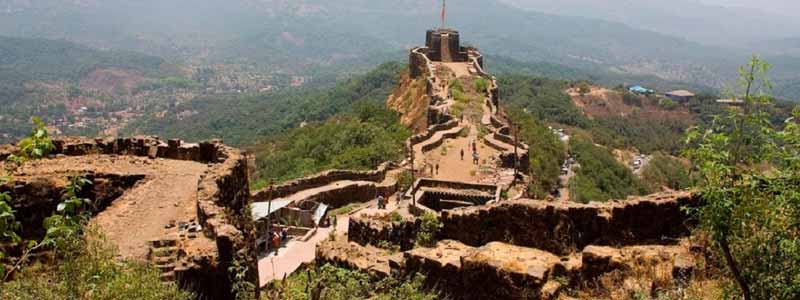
x=301 y=34
x=23 y=59
x=247 y=119
x=41 y=77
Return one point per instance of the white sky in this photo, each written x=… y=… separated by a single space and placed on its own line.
x=784 y=7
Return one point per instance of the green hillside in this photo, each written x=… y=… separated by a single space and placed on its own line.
x=242 y=119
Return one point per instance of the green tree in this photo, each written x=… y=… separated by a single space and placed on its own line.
x=748 y=174
x=666 y=171
x=600 y=176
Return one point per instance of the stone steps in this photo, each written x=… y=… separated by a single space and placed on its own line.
x=437 y=139
x=164 y=255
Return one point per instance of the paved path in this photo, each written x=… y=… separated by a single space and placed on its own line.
x=290 y=257
x=295 y=252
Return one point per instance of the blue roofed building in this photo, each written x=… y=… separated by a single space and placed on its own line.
x=638 y=89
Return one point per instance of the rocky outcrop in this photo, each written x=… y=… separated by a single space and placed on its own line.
x=564 y=227
x=503 y=271
x=493 y=271
x=350 y=255
x=598 y=260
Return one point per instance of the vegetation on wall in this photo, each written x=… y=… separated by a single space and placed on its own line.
x=92 y=272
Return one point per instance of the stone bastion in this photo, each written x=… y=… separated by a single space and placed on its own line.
x=177 y=205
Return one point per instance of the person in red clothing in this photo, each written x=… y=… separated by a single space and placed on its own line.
x=276 y=241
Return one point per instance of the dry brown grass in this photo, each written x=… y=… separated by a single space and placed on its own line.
x=651 y=280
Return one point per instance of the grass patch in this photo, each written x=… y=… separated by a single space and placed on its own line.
x=95 y=273
x=345 y=209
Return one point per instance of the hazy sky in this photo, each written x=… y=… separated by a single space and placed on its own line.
x=785 y=7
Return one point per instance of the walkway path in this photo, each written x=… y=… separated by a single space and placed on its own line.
x=295 y=252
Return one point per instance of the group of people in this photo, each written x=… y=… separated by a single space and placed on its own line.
x=382 y=201
x=475 y=156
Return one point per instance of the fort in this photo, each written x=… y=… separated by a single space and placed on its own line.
x=188 y=208
x=177 y=205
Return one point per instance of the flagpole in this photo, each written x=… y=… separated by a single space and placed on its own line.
x=444 y=6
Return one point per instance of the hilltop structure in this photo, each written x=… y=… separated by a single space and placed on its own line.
x=444 y=45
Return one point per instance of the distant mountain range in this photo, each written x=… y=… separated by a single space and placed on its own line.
x=302 y=34
x=712 y=23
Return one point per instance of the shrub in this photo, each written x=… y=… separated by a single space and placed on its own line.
x=335 y=283
x=666 y=171
x=631 y=99
x=93 y=273
x=481 y=85
x=428 y=230
x=667 y=103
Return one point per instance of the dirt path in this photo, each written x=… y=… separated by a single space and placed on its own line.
x=452 y=167
x=167 y=194
x=461 y=69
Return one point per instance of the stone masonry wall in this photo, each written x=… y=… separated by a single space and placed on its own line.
x=222 y=196
x=366 y=230
x=318 y=180
x=564 y=227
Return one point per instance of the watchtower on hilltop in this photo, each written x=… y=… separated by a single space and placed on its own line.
x=444 y=45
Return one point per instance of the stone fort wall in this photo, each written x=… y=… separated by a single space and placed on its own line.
x=222 y=198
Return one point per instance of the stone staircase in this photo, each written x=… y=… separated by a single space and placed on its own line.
x=164 y=255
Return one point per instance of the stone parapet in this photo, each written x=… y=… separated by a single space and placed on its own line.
x=564 y=227
x=222 y=201
x=318 y=180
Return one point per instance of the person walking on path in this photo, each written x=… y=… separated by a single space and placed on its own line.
x=462 y=154
x=276 y=242
x=381 y=205
x=475 y=158
x=437 y=168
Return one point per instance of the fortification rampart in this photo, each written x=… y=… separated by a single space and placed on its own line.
x=419 y=138
x=222 y=196
x=368 y=230
x=320 y=179
x=565 y=227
